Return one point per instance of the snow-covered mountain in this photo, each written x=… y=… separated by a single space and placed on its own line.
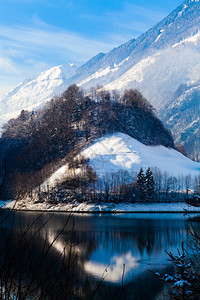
x=182 y=116
x=156 y=63
x=34 y=92
x=119 y=151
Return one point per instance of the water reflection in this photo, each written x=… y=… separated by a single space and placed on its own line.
x=92 y=246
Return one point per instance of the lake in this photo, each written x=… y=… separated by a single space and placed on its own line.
x=90 y=256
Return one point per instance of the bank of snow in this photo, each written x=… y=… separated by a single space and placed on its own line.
x=76 y=206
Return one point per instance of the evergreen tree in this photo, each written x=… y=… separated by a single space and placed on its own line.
x=197 y=184
x=149 y=185
x=140 y=184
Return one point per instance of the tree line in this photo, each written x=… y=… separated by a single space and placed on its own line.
x=143 y=187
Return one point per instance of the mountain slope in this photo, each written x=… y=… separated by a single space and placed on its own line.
x=182 y=117
x=157 y=62
x=34 y=92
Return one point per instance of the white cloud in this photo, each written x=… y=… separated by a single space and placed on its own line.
x=7 y=66
x=7 y=83
x=50 y=39
x=28 y=50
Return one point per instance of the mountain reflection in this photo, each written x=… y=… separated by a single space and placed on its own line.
x=102 y=247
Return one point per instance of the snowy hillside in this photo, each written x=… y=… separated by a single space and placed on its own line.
x=160 y=74
x=118 y=151
x=182 y=117
x=34 y=92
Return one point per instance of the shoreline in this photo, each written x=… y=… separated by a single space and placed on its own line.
x=109 y=212
x=101 y=208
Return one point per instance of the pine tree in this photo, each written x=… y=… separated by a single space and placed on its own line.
x=149 y=185
x=140 y=184
x=197 y=184
x=184 y=282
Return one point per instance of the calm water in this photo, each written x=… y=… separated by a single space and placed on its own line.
x=107 y=256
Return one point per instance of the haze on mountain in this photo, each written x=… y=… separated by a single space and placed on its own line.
x=156 y=63
x=182 y=117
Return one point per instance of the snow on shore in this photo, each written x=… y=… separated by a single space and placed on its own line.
x=102 y=207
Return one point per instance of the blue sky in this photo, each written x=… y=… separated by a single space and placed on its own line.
x=38 y=34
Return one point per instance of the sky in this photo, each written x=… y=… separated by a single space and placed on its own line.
x=36 y=35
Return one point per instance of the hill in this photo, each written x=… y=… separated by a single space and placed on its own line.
x=119 y=151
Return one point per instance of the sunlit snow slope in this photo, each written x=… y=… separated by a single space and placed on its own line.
x=119 y=151
x=34 y=92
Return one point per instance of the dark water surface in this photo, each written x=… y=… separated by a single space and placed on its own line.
x=97 y=256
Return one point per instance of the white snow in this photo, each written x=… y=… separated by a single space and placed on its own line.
x=159 y=36
x=193 y=39
x=120 y=151
x=97 y=75
x=103 y=72
x=134 y=74
x=112 y=153
x=35 y=92
x=75 y=206
x=59 y=175
x=150 y=70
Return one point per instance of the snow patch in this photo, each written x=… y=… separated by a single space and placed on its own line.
x=134 y=74
x=103 y=72
x=193 y=39
x=159 y=36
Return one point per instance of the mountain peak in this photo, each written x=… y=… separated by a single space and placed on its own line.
x=34 y=92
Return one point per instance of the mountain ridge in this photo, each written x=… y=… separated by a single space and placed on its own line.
x=35 y=91
x=181 y=23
